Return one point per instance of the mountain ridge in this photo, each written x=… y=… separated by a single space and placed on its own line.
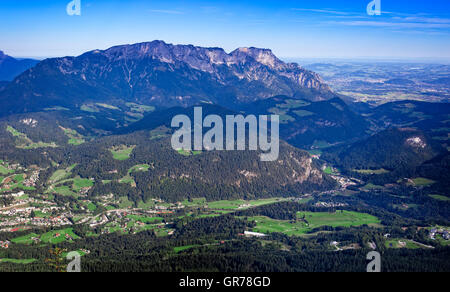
x=11 y=67
x=156 y=73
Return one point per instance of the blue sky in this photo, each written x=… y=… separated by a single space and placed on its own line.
x=291 y=28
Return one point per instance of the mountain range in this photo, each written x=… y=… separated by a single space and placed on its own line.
x=160 y=74
x=138 y=88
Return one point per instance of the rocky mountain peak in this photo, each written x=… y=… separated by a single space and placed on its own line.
x=263 y=56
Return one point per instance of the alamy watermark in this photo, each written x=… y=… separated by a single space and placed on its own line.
x=75 y=265
x=374 y=8
x=374 y=265
x=235 y=128
x=74 y=8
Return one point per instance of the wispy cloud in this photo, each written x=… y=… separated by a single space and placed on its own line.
x=167 y=11
x=326 y=11
x=388 y=24
x=389 y=20
x=422 y=19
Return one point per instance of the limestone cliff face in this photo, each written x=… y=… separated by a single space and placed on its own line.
x=251 y=64
x=160 y=74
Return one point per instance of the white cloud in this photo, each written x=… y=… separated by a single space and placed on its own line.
x=327 y=11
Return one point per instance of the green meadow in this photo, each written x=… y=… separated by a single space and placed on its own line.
x=307 y=221
x=372 y=171
x=401 y=243
x=440 y=198
x=122 y=152
x=52 y=237
x=74 y=137
x=145 y=219
x=139 y=168
x=18 y=261
x=189 y=153
x=232 y=205
x=421 y=181
x=23 y=142
x=183 y=248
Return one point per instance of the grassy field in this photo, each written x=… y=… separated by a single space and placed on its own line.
x=329 y=170
x=370 y=186
x=125 y=203
x=293 y=103
x=53 y=238
x=284 y=117
x=233 y=205
x=122 y=152
x=134 y=107
x=79 y=183
x=65 y=191
x=138 y=168
x=315 y=152
x=4 y=170
x=183 y=248
x=338 y=219
x=147 y=220
x=127 y=180
x=80 y=252
x=372 y=171
x=23 y=142
x=313 y=220
x=442 y=241
x=14 y=132
x=197 y=202
x=440 y=198
x=74 y=137
x=18 y=261
x=40 y=214
x=107 y=106
x=420 y=181
x=49 y=237
x=189 y=153
x=26 y=239
x=58 y=175
x=303 y=113
x=56 y=108
x=89 y=108
x=321 y=144
x=146 y=205
x=91 y=207
x=401 y=243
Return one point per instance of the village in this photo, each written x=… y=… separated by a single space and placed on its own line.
x=445 y=234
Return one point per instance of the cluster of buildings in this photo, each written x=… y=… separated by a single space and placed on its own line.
x=254 y=234
x=21 y=213
x=84 y=191
x=51 y=221
x=344 y=182
x=444 y=233
x=330 y=204
x=29 y=122
x=32 y=180
x=5 y=244
x=103 y=220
